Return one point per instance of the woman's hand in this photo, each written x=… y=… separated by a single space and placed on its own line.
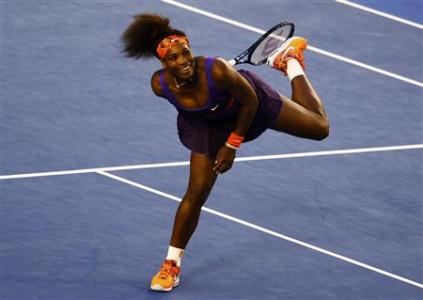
x=224 y=159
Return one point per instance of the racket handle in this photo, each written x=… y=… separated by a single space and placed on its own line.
x=232 y=62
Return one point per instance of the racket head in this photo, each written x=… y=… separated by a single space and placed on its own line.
x=268 y=42
x=258 y=52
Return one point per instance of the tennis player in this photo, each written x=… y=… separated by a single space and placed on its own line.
x=219 y=108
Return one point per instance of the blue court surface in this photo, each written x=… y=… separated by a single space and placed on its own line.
x=92 y=169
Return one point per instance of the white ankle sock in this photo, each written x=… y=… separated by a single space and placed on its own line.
x=175 y=254
x=294 y=69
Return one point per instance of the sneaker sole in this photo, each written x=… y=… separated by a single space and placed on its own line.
x=159 y=288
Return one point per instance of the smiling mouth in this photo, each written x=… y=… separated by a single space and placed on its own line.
x=186 y=69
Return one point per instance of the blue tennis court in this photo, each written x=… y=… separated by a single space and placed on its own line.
x=92 y=169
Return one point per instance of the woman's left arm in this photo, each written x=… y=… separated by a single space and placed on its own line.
x=228 y=79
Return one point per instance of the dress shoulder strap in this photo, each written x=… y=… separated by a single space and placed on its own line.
x=166 y=90
x=214 y=93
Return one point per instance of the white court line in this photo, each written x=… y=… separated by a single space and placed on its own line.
x=365 y=66
x=317 y=50
x=93 y=170
x=267 y=231
x=380 y=13
x=238 y=159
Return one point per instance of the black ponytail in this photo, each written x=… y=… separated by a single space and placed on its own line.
x=143 y=35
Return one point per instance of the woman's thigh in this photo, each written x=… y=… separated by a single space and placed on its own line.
x=296 y=120
x=201 y=178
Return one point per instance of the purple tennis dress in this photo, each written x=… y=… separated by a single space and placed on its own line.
x=205 y=129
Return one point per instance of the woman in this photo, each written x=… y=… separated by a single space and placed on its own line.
x=218 y=107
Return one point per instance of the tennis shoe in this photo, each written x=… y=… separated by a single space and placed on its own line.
x=292 y=48
x=167 y=278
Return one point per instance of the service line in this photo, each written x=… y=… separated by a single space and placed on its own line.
x=267 y=231
x=238 y=159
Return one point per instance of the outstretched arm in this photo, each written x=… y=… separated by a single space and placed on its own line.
x=228 y=79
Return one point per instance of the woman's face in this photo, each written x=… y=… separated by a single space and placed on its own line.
x=179 y=61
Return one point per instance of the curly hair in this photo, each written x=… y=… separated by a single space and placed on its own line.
x=141 y=37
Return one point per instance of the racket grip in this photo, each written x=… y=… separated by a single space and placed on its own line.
x=232 y=62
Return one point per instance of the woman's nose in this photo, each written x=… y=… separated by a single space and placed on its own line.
x=182 y=60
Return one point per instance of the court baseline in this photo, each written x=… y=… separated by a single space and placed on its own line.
x=311 y=48
x=380 y=13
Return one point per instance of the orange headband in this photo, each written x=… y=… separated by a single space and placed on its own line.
x=169 y=41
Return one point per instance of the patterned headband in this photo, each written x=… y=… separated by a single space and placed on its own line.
x=167 y=42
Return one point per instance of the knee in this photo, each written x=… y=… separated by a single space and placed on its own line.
x=197 y=193
x=323 y=129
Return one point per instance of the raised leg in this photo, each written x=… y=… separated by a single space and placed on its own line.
x=303 y=115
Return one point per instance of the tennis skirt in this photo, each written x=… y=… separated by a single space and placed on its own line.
x=207 y=136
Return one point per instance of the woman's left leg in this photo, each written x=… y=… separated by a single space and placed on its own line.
x=201 y=181
x=303 y=115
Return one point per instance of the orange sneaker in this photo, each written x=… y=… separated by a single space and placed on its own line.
x=291 y=48
x=167 y=278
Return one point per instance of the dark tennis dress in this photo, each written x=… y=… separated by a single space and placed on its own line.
x=205 y=129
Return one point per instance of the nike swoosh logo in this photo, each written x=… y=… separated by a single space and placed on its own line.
x=214 y=108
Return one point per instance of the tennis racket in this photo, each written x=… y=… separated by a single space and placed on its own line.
x=258 y=52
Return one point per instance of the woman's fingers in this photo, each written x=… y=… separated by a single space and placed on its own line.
x=217 y=163
x=224 y=160
x=222 y=167
x=219 y=168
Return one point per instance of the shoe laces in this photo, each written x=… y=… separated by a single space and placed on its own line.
x=169 y=268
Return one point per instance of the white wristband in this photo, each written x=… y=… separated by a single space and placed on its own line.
x=230 y=146
x=294 y=69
